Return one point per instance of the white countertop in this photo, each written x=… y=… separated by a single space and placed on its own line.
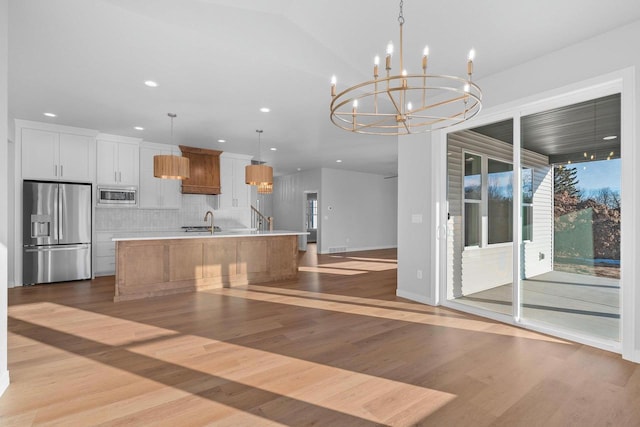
x=162 y=235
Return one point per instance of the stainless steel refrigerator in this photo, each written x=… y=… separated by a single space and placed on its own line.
x=56 y=232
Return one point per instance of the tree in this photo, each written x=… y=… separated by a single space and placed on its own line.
x=606 y=196
x=565 y=181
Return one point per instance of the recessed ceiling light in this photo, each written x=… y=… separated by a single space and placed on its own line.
x=151 y=83
x=273 y=149
x=610 y=137
x=265 y=109
x=338 y=161
x=222 y=141
x=50 y=114
x=138 y=128
x=299 y=169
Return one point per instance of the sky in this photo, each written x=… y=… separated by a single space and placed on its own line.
x=600 y=174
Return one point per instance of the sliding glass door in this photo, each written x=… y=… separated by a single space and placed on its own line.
x=538 y=222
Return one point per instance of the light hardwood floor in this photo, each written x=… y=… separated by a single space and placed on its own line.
x=334 y=347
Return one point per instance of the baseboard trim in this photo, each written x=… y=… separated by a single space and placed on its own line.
x=370 y=248
x=413 y=297
x=4 y=382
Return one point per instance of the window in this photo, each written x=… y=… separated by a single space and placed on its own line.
x=500 y=202
x=527 y=204
x=312 y=213
x=496 y=200
x=472 y=199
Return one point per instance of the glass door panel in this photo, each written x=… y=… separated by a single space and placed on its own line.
x=570 y=249
x=480 y=220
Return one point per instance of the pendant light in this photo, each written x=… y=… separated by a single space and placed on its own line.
x=260 y=175
x=265 y=188
x=169 y=166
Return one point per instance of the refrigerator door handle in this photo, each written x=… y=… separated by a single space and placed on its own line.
x=31 y=249
x=61 y=198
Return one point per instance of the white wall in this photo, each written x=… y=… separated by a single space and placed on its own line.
x=417 y=210
x=357 y=211
x=4 y=194
x=288 y=199
x=566 y=68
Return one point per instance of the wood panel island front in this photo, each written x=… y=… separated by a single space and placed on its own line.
x=155 y=264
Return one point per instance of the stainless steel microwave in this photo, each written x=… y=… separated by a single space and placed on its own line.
x=117 y=196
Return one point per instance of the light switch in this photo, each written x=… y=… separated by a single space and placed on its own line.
x=416 y=218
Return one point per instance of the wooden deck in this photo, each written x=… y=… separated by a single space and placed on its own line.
x=334 y=347
x=586 y=304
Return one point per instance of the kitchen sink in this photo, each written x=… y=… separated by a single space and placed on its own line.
x=200 y=228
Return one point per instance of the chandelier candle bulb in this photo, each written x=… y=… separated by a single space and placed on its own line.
x=333 y=85
x=376 y=62
x=470 y=58
x=425 y=54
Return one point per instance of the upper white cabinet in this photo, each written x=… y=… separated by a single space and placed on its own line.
x=56 y=155
x=117 y=160
x=235 y=193
x=156 y=193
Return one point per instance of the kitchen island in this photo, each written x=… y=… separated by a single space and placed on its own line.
x=150 y=264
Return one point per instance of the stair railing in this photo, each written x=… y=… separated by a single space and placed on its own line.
x=260 y=221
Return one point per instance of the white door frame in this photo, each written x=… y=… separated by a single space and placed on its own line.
x=617 y=82
x=302 y=243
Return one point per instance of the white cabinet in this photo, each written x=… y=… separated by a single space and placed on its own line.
x=105 y=251
x=52 y=155
x=235 y=193
x=156 y=193
x=117 y=160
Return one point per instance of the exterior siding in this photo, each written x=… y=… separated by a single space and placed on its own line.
x=473 y=270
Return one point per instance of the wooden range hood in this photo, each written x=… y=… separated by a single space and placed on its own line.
x=204 y=171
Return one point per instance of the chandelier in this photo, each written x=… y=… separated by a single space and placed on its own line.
x=169 y=166
x=259 y=175
x=405 y=103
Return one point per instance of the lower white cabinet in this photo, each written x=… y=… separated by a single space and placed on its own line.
x=235 y=193
x=105 y=251
x=157 y=193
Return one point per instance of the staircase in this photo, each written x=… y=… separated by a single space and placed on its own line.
x=259 y=221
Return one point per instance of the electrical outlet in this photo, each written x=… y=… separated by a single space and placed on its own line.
x=419 y=274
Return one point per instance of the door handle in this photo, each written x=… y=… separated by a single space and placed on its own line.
x=56 y=248
x=55 y=170
x=61 y=170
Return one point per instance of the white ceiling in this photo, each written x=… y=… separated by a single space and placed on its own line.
x=218 y=61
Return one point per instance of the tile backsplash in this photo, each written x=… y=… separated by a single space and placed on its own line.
x=194 y=206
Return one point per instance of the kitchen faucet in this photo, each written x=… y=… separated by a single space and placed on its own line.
x=205 y=219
